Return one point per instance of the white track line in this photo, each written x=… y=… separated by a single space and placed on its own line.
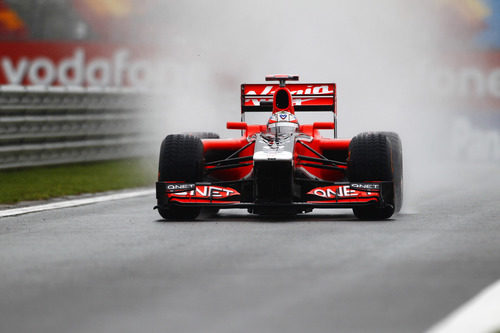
x=75 y=202
x=479 y=315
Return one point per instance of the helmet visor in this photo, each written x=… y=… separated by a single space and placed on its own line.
x=282 y=127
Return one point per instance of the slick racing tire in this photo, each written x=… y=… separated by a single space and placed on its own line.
x=210 y=212
x=377 y=156
x=397 y=156
x=181 y=159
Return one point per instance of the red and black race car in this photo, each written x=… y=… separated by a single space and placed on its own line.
x=282 y=167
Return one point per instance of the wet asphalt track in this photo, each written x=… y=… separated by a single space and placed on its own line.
x=115 y=267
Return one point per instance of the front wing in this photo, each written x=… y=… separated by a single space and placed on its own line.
x=239 y=195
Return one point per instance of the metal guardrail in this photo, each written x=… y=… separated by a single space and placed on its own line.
x=40 y=126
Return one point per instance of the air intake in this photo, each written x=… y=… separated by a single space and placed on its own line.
x=282 y=100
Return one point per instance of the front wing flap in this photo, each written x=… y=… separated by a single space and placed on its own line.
x=234 y=195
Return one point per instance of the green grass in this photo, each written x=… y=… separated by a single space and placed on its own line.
x=40 y=183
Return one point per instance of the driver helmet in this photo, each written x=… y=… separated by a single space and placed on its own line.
x=282 y=122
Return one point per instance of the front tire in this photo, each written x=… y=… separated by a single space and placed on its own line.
x=377 y=156
x=206 y=135
x=181 y=159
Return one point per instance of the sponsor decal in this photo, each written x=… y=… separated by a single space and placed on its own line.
x=341 y=191
x=283 y=116
x=207 y=191
x=170 y=188
x=365 y=186
x=300 y=89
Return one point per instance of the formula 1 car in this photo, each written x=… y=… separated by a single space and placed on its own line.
x=283 y=167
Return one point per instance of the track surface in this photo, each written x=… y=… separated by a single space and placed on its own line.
x=115 y=267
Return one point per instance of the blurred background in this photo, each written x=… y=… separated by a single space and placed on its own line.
x=91 y=80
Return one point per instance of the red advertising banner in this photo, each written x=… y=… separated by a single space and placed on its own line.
x=77 y=64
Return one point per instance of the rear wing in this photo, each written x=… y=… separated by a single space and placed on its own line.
x=305 y=97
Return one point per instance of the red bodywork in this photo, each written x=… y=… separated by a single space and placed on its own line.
x=320 y=144
x=317 y=168
x=303 y=97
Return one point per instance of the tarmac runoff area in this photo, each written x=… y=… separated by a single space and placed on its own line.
x=110 y=264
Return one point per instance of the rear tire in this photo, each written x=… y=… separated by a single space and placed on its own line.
x=377 y=156
x=181 y=159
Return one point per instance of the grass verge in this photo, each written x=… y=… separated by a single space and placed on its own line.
x=40 y=183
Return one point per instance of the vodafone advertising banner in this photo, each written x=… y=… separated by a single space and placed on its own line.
x=78 y=64
x=471 y=80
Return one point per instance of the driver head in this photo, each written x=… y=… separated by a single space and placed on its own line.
x=282 y=122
